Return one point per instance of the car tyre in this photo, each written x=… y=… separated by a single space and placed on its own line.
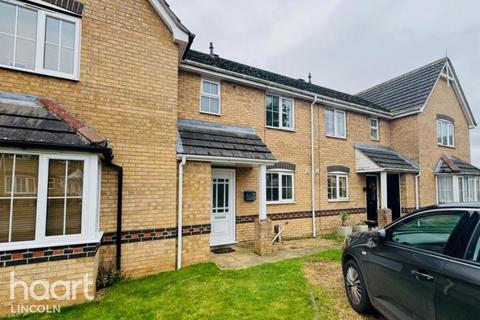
x=356 y=289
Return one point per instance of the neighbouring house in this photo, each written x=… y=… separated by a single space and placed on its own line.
x=123 y=148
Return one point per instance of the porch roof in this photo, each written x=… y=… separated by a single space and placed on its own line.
x=216 y=141
x=453 y=165
x=374 y=158
x=32 y=122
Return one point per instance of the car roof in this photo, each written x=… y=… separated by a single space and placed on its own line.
x=463 y=205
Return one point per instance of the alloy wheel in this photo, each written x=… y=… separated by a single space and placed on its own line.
x=354 y=285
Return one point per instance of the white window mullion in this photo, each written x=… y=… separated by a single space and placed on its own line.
x=65 y=187
x=15 y=38
x=42 y=198
x=12 y=191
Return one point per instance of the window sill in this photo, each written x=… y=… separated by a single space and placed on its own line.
x=53 y=74
x=336 y=137
x=375 y=140
x=211 y=113
x=281 y=202
x=339 y=200
x=24 y=245
x=444 y=146
x=282 y=129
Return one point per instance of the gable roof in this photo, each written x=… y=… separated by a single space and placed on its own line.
x=208 y=139
x=29 y=121
x=410 y=92
x=453 y=165
x=181 y=35
x=221 y=64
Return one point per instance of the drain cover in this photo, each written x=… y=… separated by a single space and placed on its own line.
x=222 y=250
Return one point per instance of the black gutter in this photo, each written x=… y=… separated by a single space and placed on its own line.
x=118 y=240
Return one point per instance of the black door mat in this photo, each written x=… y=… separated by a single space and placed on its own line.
x=222 y=250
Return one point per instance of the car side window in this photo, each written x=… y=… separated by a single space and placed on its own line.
x=429 y=231
x=473 y=253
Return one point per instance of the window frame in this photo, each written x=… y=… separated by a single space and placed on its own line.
x=445 y=124
x=375 y=128
x=462 y=191
x=335 y=126
x=90 y=200
x=211 y=96
x=337 y=176
x=280 y=112
x=42 y=14
x=282 y=173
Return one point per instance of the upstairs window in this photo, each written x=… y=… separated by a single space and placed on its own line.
x=37 y=40
x=279 y=112
x=280 y=187
x=335 y=123
x=210 y=97
x=374 y=134
x=445 y=133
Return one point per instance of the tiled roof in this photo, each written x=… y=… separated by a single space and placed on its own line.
x=243 y=69
x=29 y=121
x=387 y=158
x=453 y=165
x=202 y=138
x=73 y=6
x=406 y=92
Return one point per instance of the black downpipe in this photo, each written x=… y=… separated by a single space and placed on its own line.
x=118 y=240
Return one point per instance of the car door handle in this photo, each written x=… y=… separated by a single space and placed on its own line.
x=422 y=276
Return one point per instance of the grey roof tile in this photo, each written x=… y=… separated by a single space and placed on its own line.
x=464 y=167
x=387 y=158
x=406 y=92
x=240 y=68
x=26 y=122
x=211 y=139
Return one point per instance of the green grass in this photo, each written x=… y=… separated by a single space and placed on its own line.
x=334 y=237
x=270 y=291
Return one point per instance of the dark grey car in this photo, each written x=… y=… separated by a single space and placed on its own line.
x=423 y=266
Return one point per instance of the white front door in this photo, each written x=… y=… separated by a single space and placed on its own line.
x=223 y=207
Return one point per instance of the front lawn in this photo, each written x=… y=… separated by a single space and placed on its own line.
x=270 y=291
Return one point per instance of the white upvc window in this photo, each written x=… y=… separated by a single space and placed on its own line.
x=210 y=97
x=38 y=40
x=280 y=187
x=48 y=199
x=335 y=123
x=445 y=189
x=445 y=133
x=279 y=112
x=374 y=129
x=337 y=186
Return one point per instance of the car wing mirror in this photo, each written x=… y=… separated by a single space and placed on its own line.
x=379 y=235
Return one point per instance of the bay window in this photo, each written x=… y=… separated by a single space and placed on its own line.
x=279 y=112
x=337 y=187
x=451 y=188
x=335 y=123
x=47 y=199
x=445 y=133
x=39 y=40
x=280 y=187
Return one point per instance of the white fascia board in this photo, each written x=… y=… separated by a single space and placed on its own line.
x=219 y=73
x=180 y=36
x=225 y=159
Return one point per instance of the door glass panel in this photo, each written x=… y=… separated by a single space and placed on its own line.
x=428 y=231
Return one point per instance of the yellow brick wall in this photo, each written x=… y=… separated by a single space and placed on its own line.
x=64 y=270
x=442 y=101
x=197 y=179
x=128 y=92
x=148 y=257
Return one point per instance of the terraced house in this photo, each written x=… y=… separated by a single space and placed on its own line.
x=121 y=147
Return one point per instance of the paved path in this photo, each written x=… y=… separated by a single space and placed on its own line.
x=244 y=257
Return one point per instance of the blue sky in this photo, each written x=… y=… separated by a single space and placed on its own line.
x=346 y=45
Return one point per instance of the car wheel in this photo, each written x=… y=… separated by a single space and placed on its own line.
x=355 y=287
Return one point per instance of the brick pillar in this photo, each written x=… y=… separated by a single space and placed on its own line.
x=384 y=217
x=263 y=237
